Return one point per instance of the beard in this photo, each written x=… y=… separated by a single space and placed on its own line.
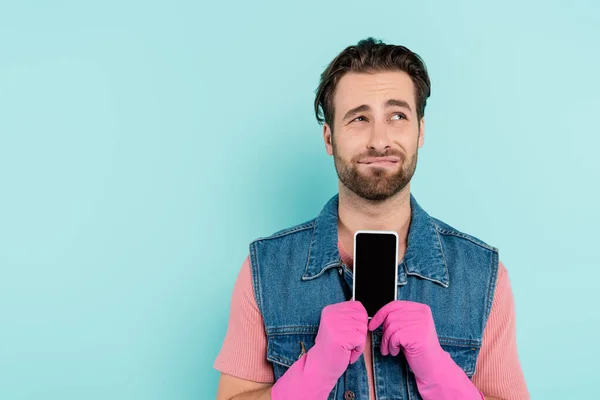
x=375 y=183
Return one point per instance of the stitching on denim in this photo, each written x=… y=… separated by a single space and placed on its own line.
x=293 y=330
x=459 y=342
x=465 y=236
x=325 y=268
x=310 y=245
x=471 y=359
x=444 y=257
x=427 y=278
x=280 y=360
x=492 y=282
x=256 y=276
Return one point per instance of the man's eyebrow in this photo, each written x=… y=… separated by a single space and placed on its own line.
x=356 y=110
x=397 y=103
x=365 y=107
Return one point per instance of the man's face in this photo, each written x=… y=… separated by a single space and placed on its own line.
x=375 y=117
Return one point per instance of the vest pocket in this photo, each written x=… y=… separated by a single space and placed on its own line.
x=285 y=349
x=465 y=356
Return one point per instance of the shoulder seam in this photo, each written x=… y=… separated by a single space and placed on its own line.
x=465 y=236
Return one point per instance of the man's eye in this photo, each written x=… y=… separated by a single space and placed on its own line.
x=357 y=118
x=402 y=116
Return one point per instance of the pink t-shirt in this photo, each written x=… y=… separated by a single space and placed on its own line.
x=497 y=372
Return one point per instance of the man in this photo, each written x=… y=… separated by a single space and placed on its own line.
x=293 y=331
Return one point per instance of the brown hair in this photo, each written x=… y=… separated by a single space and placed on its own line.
x=368 y=56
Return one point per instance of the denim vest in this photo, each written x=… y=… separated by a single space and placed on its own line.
x=298 y=271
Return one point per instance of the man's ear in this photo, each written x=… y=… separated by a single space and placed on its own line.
x=422 y=132
x=328 y=138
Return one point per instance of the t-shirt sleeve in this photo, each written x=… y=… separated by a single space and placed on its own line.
x=244 y=350
x=498 y=371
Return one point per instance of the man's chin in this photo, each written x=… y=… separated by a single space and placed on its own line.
x=375 y=196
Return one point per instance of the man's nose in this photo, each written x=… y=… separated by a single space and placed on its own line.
x=378 y=139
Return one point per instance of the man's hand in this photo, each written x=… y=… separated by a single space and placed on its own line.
x=409 y=326
x=340 y=341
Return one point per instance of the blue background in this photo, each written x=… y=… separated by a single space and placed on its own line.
x=143 y=145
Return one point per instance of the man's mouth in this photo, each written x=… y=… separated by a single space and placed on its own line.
x=380 y=161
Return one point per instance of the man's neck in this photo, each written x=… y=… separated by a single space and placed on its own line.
x=392 y=214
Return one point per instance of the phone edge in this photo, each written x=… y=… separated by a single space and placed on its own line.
x=354 y=260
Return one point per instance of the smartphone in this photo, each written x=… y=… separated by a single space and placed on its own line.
x=375 y=269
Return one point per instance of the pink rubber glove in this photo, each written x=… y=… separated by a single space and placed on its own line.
x=340 y=341
x=409 y=326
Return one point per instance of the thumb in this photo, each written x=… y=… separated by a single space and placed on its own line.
x=382 y=314
x=356 y=353
x=378 y=319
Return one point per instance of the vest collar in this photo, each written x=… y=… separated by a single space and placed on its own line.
x=424 y=256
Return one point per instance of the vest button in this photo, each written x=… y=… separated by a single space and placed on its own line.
x=349 y=395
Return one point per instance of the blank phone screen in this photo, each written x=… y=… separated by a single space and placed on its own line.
x=375 y=270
